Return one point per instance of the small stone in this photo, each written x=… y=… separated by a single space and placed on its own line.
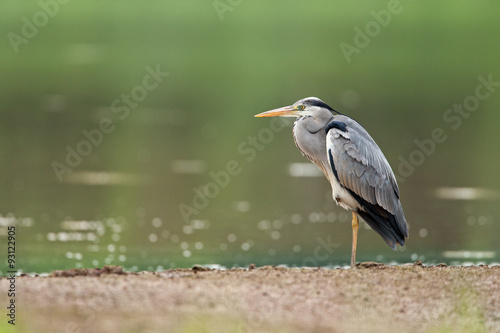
x=266 y=267
x=369 y=264
x=198 y=268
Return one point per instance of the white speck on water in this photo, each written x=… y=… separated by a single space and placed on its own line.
x=100 y=230
x=275 y=235
x=263 y=225
x=277 y=224
x=223 y=246
x=186 y=253
x=153 y=238
x=122 y=257
x=111 y=248
x=245 y=246
x=187 y=229
x=184 y=245
x=91 y=236
x=314 y=217
x=69 y=255
x=62 y=236
x=471 y=220
x=331 y=217
x=115 y=237
x=198 y=245
x=51 y=237
x=199 y=224
x=156 y=222
x=78 y=256
x=122 y=248
x=231 y=238
x=481 y=220
x=321 y=217
x=296 y=218
x=297 y=248
x=423 y=232
x=242 y=206
x=174 y=238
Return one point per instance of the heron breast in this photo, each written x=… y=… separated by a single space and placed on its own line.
x=343 y=198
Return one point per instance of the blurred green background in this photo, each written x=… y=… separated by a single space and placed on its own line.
x=67 y=68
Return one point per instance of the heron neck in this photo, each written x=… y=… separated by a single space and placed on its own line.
x=310 y=138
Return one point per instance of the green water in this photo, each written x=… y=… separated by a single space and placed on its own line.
x=115 y=115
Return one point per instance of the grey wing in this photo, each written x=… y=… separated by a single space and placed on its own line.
x=360 y=166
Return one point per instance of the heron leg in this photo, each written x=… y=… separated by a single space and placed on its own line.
x=355 y=227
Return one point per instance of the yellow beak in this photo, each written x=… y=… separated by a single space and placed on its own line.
x=287 y=111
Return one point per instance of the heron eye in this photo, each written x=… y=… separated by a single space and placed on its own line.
x=302 y=107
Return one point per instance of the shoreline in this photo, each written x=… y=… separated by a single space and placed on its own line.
x=372 y=297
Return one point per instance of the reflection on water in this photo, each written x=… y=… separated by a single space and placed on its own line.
x=132 y=219
x=466 y=193
x=242 y=206
x=94 y=235
x=469 y=254
x=189 y=166
x=105 y=178
x=304 y=170
x=158 y=244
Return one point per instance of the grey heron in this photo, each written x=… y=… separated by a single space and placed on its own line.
x=361 y=178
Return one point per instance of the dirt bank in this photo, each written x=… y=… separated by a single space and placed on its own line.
x=370 y=298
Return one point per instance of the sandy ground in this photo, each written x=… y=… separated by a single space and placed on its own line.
x=369 y=298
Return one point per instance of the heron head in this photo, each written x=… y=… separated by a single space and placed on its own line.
x=310 y=106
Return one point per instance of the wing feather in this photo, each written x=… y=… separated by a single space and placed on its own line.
x=363 y=169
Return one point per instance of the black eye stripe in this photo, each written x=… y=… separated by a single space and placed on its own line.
x=317 y=102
